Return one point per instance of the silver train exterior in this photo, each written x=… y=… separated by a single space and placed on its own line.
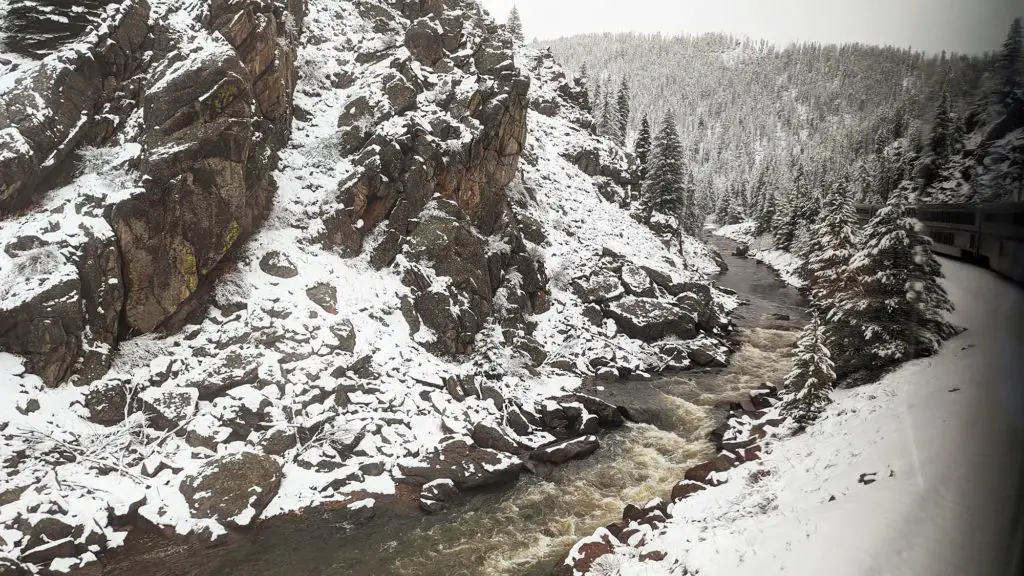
x=989 y=235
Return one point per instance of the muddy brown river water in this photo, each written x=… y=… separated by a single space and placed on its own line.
x=524 y=530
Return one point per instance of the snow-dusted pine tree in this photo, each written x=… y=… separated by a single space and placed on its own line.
x=766 y=215
x=944 y=144
x=622 y=106
x=515 y=26
x=786 y=223
x=1008 y=70
x=827 y=267
x=810 y=383
x=642 y=147
x=690 y=219
x=609 y=124
x=664 y=187
x=892 y=298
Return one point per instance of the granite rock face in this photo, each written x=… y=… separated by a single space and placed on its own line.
x=90 y=265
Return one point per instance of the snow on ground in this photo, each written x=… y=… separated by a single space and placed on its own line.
x=916 y=474
x=762 y=249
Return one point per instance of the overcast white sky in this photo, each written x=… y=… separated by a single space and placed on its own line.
x=970 y=26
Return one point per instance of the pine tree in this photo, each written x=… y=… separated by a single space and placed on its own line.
x=664 y=187
x=515 y=27
x=826 y=267
x=689 y=219
x=810 y=383
x=944 y=144
x=893 y=300
x=622 y=105
x=766 y=216
x=786 y=223
x=642 y=147
x=609 y=124
x=1008 y=70
x=724 y=208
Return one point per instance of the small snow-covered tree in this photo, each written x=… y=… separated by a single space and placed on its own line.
x=642 y=147
x=515 y=26
x=786 y=223
x=944 y=144
x=809 y=385
x=892 y=300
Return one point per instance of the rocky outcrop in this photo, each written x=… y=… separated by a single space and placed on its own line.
x=78 y=96
x=438 y=184
x=95 y=263
x=214 y=116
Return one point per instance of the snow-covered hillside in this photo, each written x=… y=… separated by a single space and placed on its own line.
x=312 y=376
x=905 y=476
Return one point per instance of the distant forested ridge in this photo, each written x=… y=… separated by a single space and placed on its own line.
x=756 y=119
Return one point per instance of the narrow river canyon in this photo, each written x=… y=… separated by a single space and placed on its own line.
x=526 y=529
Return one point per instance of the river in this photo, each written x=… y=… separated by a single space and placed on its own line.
x=524 y=530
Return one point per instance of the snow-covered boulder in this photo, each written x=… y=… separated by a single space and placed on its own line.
x=649 y=319
x=233 y=489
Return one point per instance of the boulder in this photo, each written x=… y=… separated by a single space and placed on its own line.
x=706 y=356
x=651 y=320
x=234 y=488
x=466 y=465
x=46 y=530
x=106 y=401
x=702 y=472
x=325 y=296
x=169 y=408
x=276 y=264
x=566 y=450
x=607 y=414
x=636 y=281
x=345 y=332
x=686 y=488
x=425 y=41
x=435 y=496
x=46 y=553
x=598 y=288
x=493 y=438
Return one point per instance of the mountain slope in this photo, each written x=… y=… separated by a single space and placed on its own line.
x=433 y=266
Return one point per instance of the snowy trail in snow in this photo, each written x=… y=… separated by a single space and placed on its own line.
x=942 y=436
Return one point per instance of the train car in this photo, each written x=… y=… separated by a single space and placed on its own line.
x=953 y=228
x=1001 y=234
x=990 y=235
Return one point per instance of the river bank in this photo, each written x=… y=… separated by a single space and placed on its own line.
x=919 y=473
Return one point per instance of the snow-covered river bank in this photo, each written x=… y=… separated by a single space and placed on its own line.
x=919 y=473
x=528 y=528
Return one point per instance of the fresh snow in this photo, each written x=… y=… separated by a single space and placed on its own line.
x=940 y=437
